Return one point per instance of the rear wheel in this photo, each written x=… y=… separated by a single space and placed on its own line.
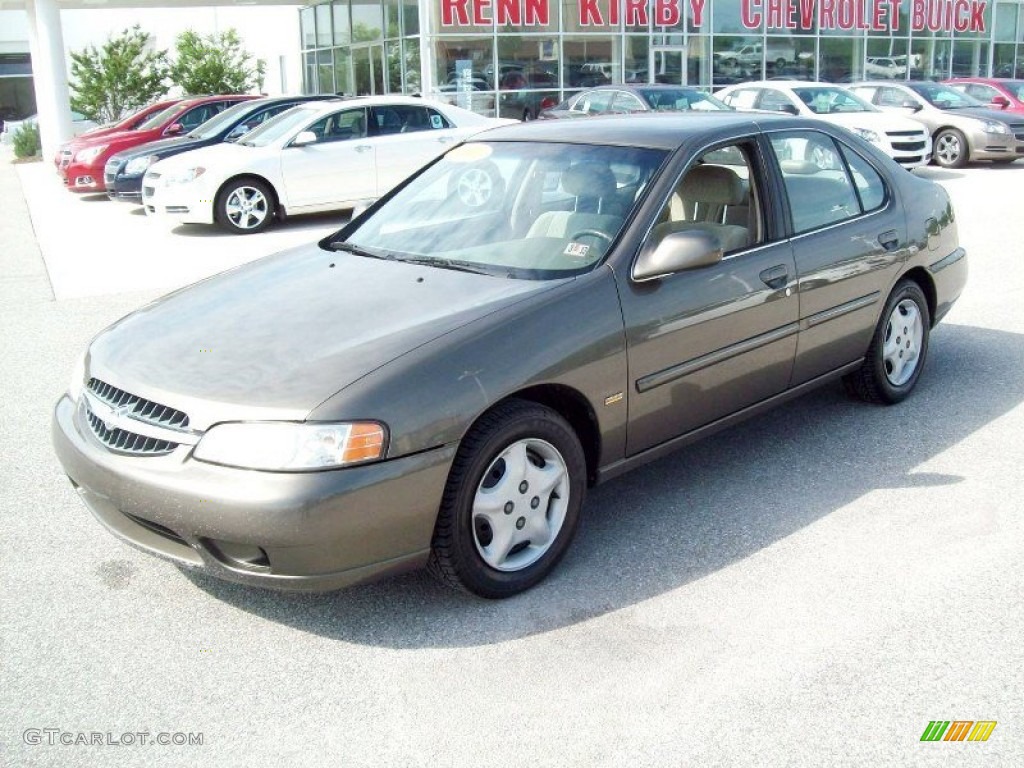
x=245 y=206
x=950 y=149
x=512 y=503
x=898 y=348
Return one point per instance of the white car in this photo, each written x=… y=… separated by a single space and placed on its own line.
x=903 y=139
x=318 y=156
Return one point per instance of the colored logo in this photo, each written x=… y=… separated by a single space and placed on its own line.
x=958 y=730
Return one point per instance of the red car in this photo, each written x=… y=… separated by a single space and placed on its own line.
x=995 y=92
x=84 y=173
x=130 y=123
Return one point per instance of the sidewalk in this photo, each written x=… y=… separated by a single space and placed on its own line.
x=94 y=246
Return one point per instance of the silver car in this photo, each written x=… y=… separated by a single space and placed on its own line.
x=962 y=128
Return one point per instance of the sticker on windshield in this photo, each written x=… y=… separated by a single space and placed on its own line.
x=436 y=121
x=577 y=250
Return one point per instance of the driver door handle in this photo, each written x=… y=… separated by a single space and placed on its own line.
x=889 y=240
x=775 y=277
x=364 y=147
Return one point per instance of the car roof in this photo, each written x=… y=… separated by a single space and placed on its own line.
x=663 y=130
x=329 y=103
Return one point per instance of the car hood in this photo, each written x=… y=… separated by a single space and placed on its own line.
x=213 y=156
x=174 y=143
x=875 y=121
x=275 y=338
x=983 y=113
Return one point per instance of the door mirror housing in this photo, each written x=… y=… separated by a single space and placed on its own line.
x=1000 y=102
x=174 y=129
x=304 y=138
x=677 y=252
x=910 y=107
x=789 y=109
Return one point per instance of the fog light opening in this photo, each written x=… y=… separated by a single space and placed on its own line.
x=238 y=555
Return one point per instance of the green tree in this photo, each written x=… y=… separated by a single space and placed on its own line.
x=215 y=63
x=119 y=78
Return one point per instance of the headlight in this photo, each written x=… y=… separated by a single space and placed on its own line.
x=77 y=383
x=138 y=165
x=184 y=177
x=291 y=446
x=867 y=135
x=88 y=155
x=991 y=126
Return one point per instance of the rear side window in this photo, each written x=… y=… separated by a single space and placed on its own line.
x=826 y=181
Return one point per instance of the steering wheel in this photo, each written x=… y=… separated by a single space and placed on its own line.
x=593 y=233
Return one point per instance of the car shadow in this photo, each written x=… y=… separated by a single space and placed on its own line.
x=312 y=221
x=693 y=513
x=92 y=197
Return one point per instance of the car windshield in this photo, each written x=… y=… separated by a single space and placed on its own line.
x=281 y=125
x=222 y=121
x=163 y=116
x=679 y=100
x=828 y=101
x=527 y=210
x=944 y=97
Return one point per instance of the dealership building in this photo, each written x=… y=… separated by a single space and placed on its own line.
x=515 y=56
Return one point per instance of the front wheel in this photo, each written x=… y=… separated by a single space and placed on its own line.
x=512 y=502
x=245 y=206
x=898 y=348
x=950 y=149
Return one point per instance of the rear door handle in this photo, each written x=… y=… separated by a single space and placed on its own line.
x=889 y=240
x=446 y=139
x=775 y=277
x=364 y=148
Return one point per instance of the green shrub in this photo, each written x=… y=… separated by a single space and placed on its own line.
x=26 y=141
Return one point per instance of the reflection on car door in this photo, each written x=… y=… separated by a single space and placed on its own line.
x=340 y=167
x=709 y=341
x=849 y=238
x=407 y=137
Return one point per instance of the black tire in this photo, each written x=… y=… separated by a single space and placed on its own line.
x=245 y=221
x=1004 y=161
x=527 y=115
x=460 y=540
x=950 y=149
x=874 y=381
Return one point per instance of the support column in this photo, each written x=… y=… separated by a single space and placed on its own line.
x=49 y=74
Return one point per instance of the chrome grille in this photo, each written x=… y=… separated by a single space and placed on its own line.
x=908 y=146
x=148 y=191
x=128 y=442
x=916 y=134
x=138 y=408
x=1018 y=131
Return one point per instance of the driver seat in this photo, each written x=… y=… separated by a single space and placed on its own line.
x=596 y=205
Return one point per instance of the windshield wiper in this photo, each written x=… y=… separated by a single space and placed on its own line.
x=341 y=245
x=437 y=261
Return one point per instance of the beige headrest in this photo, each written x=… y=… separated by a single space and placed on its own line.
x=799 y=167
x=713 y=184
x=589 y=180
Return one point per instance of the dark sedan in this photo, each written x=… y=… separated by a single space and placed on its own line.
x=542 y=308
x=621 y=99
x=123 y=172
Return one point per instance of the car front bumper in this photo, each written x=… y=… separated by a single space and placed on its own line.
x=188 y=203
x=79 y=177
x=994 y=146
x=310 y=531
x=125 y=188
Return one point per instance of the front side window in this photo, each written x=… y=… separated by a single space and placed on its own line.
x=827 y=101
x=289 y=121
x=523 y=210
x=593 y=102
x=340 y=126
x=718 y=195
x=944 y=97
x=626 y=102
x=776 y=101
x=826 y=181
x=403 y=118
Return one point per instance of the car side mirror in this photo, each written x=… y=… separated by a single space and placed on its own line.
x=910 y=106
x=1000 y=101
x=789 y=109
x=304 y=138
x=174 y=129
x=676 y=252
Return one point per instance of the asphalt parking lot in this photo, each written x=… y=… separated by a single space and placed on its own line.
x=810 y=588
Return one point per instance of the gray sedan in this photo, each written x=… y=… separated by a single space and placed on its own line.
x=541 y=309
x=963 y=129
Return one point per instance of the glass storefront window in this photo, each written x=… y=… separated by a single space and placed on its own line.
x=930 y=58
x=636 y=58
x=589 y=60
x=840 y=60
x=342 y=23
x=367 y=21
x=392 y=28
x=736 y=59
x=307 y=25
x=970 y=58
x=887 y=59
x=309 y=73
x=325 y=72
x=411 y=56
x=1006 y=62
x=1006 y=21
x=410 y=17
x=324 y=38
x=343 y=71
x=393 y=55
